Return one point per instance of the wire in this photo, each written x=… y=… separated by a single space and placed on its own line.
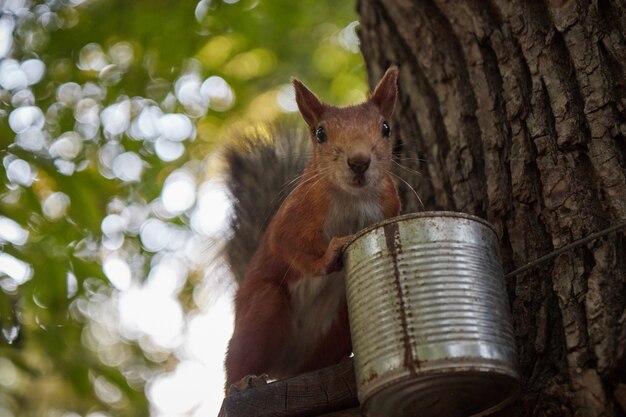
x=566 y=248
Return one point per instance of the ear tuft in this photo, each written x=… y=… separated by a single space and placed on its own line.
x=386 y=92
x=309 y=105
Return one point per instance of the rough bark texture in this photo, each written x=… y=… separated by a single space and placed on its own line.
x=514 y=111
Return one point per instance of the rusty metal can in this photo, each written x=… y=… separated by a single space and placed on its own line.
x=429 y=317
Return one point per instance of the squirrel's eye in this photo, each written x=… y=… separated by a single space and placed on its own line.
x=320 y=134
x=386 y=130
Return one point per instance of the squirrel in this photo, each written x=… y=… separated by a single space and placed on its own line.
x=290 y=308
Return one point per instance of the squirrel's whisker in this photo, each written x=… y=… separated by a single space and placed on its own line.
x=408 y=185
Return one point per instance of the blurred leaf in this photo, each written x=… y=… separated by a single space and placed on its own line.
x=113 y=70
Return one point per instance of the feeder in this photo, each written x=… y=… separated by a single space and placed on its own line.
x=429 y=316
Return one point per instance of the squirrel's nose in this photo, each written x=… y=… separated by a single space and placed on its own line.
x=359 y=163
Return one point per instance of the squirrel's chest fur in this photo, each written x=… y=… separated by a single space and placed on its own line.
x=316 y=301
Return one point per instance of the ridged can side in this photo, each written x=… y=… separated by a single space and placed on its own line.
x=426 y=298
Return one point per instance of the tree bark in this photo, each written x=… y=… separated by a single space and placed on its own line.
x=514 y=111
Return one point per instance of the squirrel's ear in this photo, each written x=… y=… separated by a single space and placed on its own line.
x=309 y=105
x=386 y=92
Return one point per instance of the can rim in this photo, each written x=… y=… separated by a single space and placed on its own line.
x=511 y=376
x=419 y=215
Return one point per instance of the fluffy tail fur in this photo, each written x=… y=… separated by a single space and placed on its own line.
x=261 y=172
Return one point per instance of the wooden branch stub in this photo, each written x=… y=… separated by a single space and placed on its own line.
x=312 y=394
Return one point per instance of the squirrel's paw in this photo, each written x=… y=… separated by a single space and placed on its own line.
x=335 y=253
x=247 y=382
x=346 y=359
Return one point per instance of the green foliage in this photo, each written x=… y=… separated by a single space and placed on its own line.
x=134 y=94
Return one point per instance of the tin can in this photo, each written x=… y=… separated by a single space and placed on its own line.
x=429 y=317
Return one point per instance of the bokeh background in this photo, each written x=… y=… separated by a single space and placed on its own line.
x=114 y=300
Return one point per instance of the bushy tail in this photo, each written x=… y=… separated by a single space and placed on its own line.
x=261 y=172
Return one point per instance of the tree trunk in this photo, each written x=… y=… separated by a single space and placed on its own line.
x=514 y=111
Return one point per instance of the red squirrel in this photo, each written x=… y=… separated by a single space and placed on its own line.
x=290 y=309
